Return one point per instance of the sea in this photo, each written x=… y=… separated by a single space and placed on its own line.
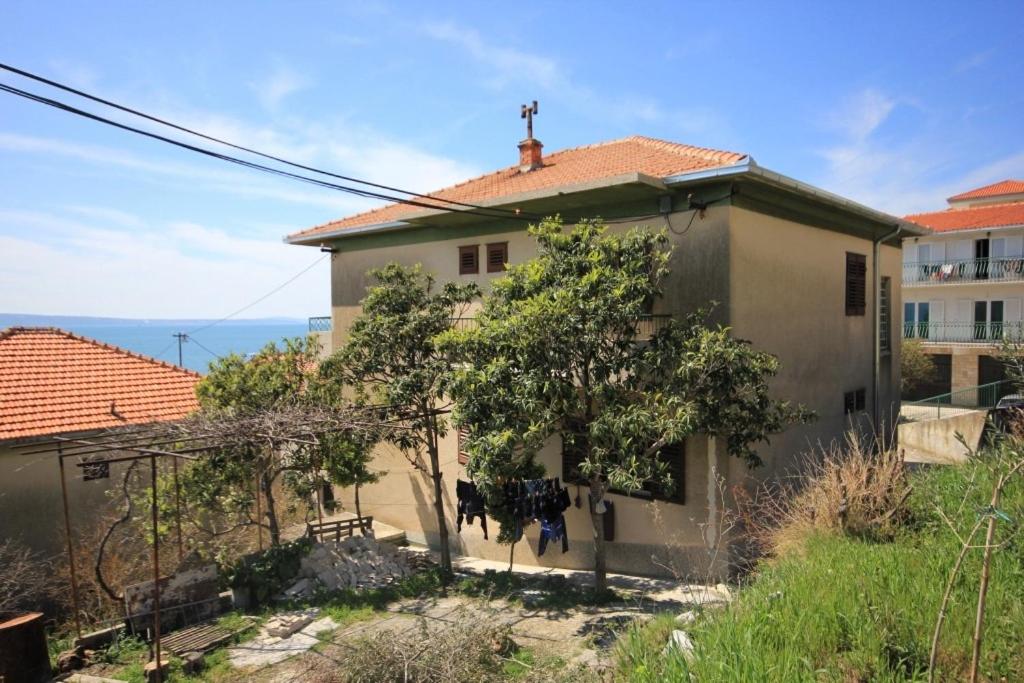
x=156 y=338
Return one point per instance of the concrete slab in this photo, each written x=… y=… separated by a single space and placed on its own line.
x=264 y=650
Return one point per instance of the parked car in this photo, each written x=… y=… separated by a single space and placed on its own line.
x=1009 y=413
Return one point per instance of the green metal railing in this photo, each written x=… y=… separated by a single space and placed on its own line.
x=981 y=397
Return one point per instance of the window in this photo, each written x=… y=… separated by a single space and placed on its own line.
x=673 y=455
x=497 y=257
x=853 y=402
x=469 y=260
x=916 y=318
x=856 y=287
x=988 y=319
x=463 y=453
x=885 y=316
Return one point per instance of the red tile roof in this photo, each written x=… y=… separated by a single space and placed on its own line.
x=52 y=381
x=636 y=154
x=973 y=218
x=994 y=190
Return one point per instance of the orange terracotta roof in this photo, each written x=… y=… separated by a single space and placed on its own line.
x=52 y=381
x=973 y=218
x=635 y=154
x=994 y=190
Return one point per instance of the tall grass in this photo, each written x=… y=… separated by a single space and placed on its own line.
x=843 y=607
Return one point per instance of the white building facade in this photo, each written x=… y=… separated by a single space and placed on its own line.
x=963 y=285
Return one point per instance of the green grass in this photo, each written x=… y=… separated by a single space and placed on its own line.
x=843 y=609
x=553 y=592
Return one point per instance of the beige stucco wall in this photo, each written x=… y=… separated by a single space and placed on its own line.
x=30 y=499
x=789 y=285
x=779 y=283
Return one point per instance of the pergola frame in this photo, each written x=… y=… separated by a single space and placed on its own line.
x=200 y=433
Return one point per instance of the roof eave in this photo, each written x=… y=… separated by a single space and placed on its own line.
x=750 y=168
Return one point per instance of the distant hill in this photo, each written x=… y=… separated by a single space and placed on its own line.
x=31 y=320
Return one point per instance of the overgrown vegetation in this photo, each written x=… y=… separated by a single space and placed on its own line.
x=917 y=367
x=837 y=605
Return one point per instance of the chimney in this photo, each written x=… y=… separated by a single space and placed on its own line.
x=529 y=149
x=529 y=155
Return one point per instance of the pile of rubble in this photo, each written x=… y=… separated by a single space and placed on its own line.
x=356 y=562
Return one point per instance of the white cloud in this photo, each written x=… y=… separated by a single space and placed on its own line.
x=179 y=269
x=901 y=174
x=279 y=84
x=974 y=61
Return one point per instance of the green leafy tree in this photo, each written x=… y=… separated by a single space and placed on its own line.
x=556 y=352
x=916 y=367
x=223 y=480
x=390 y=359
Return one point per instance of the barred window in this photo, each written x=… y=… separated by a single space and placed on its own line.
x=885 y=316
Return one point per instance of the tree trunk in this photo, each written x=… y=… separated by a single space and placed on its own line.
x=986 y=562
x=442 y=525
x=359 y=512
x=597 y=519
x=267 y=485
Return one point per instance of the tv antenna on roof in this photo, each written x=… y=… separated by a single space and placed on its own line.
x=528 y=112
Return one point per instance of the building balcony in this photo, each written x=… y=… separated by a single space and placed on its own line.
x=981 y=270
x=320 y=324
x=990 y=333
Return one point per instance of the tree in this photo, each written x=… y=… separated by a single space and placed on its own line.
x=556 y=352
x=1011 y=353
x=223 y=480
x=390 y=359
x=916 y=367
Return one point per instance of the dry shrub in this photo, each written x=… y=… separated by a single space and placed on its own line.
x=471 y=647
x=843 y=490
x=25 y=580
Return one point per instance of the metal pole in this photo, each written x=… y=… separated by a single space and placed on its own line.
x=177 y=508
x=67 y=531
x=156 y=573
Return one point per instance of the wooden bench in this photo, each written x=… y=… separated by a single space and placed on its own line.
x=339 y=528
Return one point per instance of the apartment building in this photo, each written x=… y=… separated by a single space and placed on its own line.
x=963 y=285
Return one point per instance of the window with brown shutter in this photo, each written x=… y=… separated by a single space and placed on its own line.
x=674 y=455
x=463 y=453
x=856 y=285
x=497 y=257
x=469 y=260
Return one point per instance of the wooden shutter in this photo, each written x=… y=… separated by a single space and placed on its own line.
x=497 y=257
x=469 y=260
x=463 y=438
x=856 y=283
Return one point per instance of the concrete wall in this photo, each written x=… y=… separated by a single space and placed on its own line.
x=30 y=499
x=936 y=440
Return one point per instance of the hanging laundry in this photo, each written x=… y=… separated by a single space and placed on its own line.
x=470 y=505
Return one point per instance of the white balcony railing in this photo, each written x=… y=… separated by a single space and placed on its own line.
x=963 y=333
x=968 y=270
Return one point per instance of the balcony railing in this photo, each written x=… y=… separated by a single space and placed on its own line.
x=320 y=324
x=968 y=270
x=963 y=333
x=646 y=325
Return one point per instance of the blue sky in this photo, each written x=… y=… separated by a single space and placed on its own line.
x=896 y=105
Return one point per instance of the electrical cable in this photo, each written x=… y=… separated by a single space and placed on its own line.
x=215 y=355
x=266 y=296
x=242 y=162
x=190 y=131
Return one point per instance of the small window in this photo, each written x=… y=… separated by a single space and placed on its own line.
x=469 y=260
x=463 y=438
x=885 y=316
x=854 y=401
x=497 y=257
x=856 y=286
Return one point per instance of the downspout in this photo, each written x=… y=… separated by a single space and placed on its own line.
x=877 y=324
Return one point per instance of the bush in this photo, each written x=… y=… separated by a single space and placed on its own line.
x=267 y=573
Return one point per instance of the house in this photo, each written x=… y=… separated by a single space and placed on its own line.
x=963 y=286
x=804 y=274
x=55 y=383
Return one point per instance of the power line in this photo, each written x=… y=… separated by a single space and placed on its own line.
x=266 y=296
x=190 y=131
x=249 y=164
x=197 y=343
